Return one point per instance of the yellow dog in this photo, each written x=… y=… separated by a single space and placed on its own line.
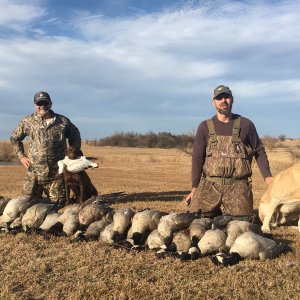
x=281 y=201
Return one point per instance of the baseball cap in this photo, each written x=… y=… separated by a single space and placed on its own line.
x=221 y=89
x=41 y=96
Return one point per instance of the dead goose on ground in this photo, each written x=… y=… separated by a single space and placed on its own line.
x=16 y=207
x=253 y=246
x=106 y=235
x=51 y=225
x=198 y=228
x=95 y=211
x=121 y=223
x=35 y=216
x=143 y=223
x=173 y=222
x=235 y=228
x=155 y=241
x=92 y=232
x=181 y=243
x=15 y=226
x=3 y=203
x=212 y=242
x=70 y=219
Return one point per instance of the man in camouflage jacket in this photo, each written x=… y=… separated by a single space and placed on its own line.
x=47 y=133
x=221 y=166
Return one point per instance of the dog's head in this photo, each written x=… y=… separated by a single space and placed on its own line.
x=74 y=153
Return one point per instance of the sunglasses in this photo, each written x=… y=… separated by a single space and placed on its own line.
x=42 y=103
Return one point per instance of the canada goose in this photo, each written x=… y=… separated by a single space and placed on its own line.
x=236 y=228
x=197 y=229
x=35 y=215
x=212 y=241
x=224 y=259
x=106 y=235
x=121 y=222
x=155 y=241
x=181 y=243
x=220 y=222
x=3 y=203
x=16 y=207
x=95 y=212
x=173 y=222
x=69 y=219
x=254 y=246
x=51 y=224
x=143 y=223
x=92 y=233
x=15 y=226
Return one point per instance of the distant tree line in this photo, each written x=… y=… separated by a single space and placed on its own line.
x=147 y=140
x=168 y=140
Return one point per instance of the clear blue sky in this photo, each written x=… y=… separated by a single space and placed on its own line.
x=150 y=65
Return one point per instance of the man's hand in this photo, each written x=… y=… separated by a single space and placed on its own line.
x=189 y=197
x=268 y=180
x=25 y=161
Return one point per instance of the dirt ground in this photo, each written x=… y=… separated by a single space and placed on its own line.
x=35 y=268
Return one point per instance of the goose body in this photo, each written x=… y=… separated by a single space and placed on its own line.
x=212 y=241
x=253 y=246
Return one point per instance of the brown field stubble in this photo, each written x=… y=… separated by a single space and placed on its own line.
x=34 y=268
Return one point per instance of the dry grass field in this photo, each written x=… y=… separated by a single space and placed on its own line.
x=34 y=268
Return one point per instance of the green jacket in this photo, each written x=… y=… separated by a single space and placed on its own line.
x=47 y=142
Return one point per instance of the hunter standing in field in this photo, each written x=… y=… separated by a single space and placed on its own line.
x=47 y=133
x=221 y=165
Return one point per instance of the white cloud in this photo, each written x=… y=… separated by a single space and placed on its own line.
x=151 y=69
x=15 y=14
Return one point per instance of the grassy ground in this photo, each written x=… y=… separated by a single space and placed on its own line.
x=34 y=268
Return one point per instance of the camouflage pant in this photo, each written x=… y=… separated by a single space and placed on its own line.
x=53 y=188
x=235 y=199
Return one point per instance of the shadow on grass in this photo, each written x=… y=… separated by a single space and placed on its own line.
x=157 y=196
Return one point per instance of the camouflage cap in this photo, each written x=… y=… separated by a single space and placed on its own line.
x=41 y=96
x=221 y=89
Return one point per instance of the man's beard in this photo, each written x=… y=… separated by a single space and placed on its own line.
x=226 y=111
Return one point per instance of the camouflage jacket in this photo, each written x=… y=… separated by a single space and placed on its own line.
x=47 y=142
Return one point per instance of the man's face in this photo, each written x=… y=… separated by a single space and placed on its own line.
x=43 y=107
x=223 y=103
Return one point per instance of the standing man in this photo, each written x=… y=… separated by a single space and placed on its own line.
x=221 y=164
x=47 y=133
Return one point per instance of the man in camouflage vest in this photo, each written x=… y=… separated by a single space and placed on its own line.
x=47 y=133
x=221 y=165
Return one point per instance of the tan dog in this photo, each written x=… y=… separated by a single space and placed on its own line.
x=281 y=201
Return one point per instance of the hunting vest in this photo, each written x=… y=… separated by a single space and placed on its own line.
x=226 y=156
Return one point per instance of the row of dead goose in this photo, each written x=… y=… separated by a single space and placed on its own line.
x=225 y=239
